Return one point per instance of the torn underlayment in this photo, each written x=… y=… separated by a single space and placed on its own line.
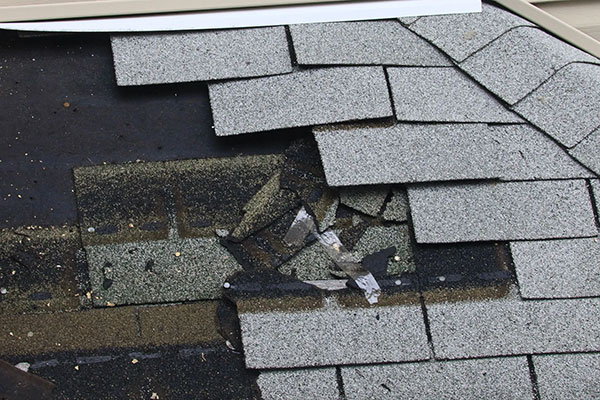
x=304 y=225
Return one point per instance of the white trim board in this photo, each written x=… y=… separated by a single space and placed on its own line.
x=254 y=17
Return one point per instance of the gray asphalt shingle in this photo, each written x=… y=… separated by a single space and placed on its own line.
x=512 y=326
x=363 y=42
x=302 y=98
x=519 y=61
x=443 y=95
x=397 y=208
x=568 y=376
x=446 y=213
x=333 y=335
x=558 y=268
x=567 y=106
x=587 y=151
x=460 y=35
x=143 y=59
x=315 y=383
x=495 y=378
x=367 y=200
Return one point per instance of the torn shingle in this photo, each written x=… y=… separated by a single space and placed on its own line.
x=311 y=263
x=460 y=35
x=333 y=334
x=363 y=42
x=520 y=61
x=568 y=376
x=406 y=153
x=366 y=199
x=298 y=384
x=397 y=208
x=558 y=268
x=511 y=326
x=443 y=95
x=199 y=56
x=302 y=98
x=587 y=151
x=378 y=238
x=567 y=106
x=495 y=378
x=466 y=212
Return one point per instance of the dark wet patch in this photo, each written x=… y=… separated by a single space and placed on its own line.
x=20 y=385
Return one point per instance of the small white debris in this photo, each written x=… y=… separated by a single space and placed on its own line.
x=222 y=232
x=441 y=278
x=396 y=258
x=227 y=285
x=91 y=229
x=229 y=345
x=23 y=366
x=154 y=396
x=29 y=334
x=3 y=291
x=58 y=266
x=398 y=282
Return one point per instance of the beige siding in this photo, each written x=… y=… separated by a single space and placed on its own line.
x=582 y=14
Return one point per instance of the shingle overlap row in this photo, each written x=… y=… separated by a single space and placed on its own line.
x=587 y=151
x=298 y=384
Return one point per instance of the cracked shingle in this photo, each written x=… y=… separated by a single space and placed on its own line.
x=363 y=42
x=568 y=376
x=316 y=383
x=366 y=199
x=587 y=151
x=558 y=268
x=302 y=98
x=460 y=35
x=397 y=208
x=510 y=326
x=567 y=106
x=447 y=213
x=333 y=334
x=496 y=378
x=199 y=56
x=443 y=95
x=520 y=61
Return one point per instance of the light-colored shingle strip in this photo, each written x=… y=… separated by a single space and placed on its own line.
x=460 y=35
x=495 y=378
x=362 y=42
x=568 y=376
x=588 y=151
x=357 y=155
x=446 y=213
x=443 y=95
x=333 y=335
x=519 y=61
x=299 y=384
x=567 y=106
x=513 y=326
x=308 y=97
x=144 y=59
x=558 y=268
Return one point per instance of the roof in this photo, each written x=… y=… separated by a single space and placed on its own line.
x=452 y=156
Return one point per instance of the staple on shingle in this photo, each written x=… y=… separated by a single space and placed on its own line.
x=445 y=213
x=519 y=61
x=568 y=376
x=443 y=95
x=308 y=97
x=558 y=268
x=567 y=106
x=298 y=384
x=587 y=151
x=143 y=59
x=460 y=35
x=362 y=42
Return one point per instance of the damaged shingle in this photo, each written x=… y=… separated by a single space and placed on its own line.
x=499 y=378
x=465 y=212
x=303 y=98
x=366 y=199
x=568 y=376
x=362 y=42
x=461 y=35
x=443 y=95
x=567 y=106
x=298 y=384
x=199 y=56
x=377 y=238
x=397 y=208
x=587 y=151
x=520 y=61
x=558 y=268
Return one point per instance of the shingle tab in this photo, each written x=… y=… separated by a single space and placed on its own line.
x=495 y=378
x=333 y=335
x=199 y=56
x=558 y=268
x=443 y=95
x=397 y=208
x=567 y=106
x=362 y=42
x=446 y=213
x=587 y=151
x=511 y=326
x=568 y=376
x=460 y=35
x=314 y=383
x=366 y=199
x=519 y=61
x=302 y=98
